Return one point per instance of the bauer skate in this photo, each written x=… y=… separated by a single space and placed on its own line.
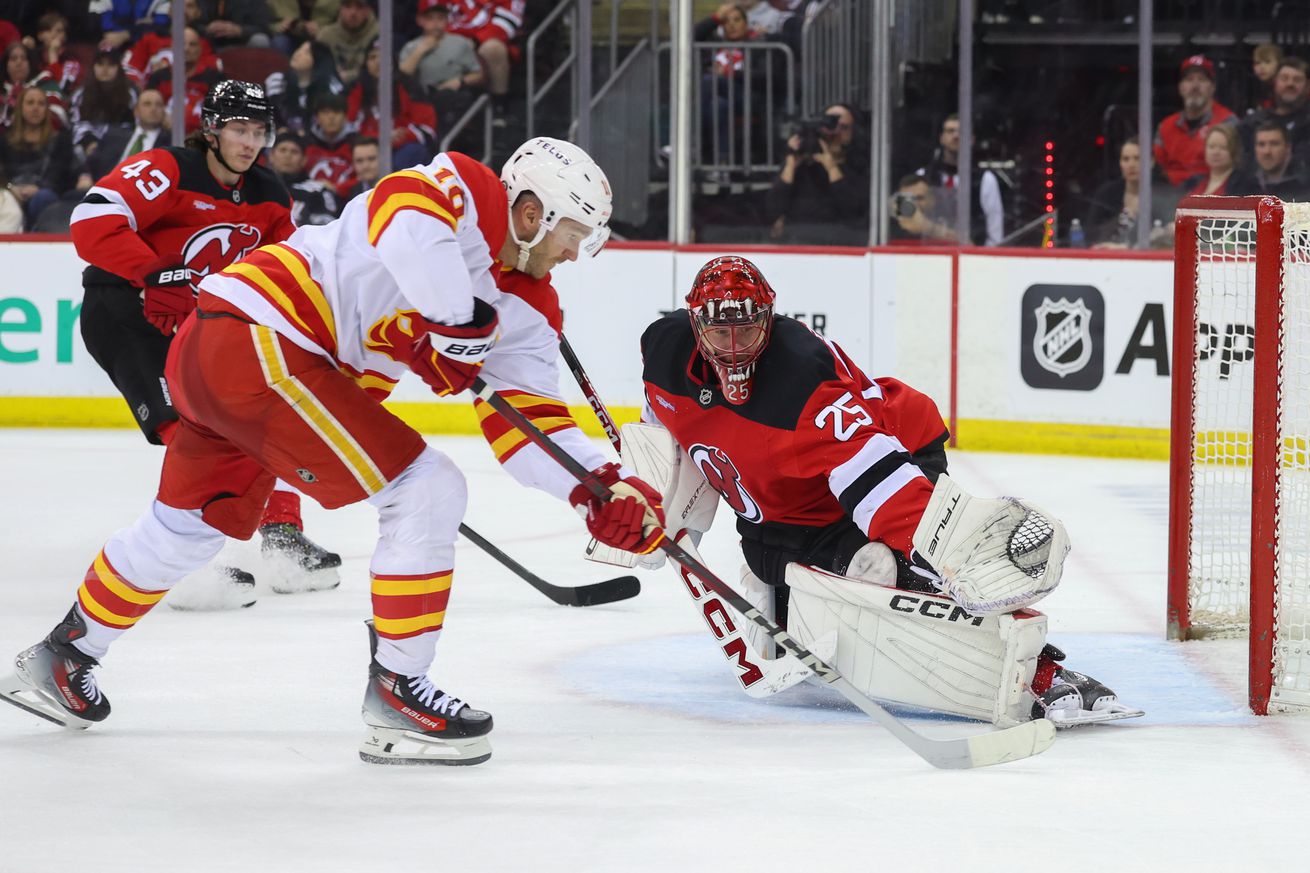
x=1071 y=699
x=53 y=679
x=297 y=563
x=411 y=721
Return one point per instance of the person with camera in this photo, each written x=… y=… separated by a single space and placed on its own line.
x=822 y=193
x=922 y=215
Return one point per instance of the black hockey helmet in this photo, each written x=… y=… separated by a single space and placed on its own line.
x=234 y=100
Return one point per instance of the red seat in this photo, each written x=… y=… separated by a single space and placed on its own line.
x=251 y=64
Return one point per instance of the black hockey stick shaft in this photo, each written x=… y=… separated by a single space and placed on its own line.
x=609 y=591
x=589 y=390
x=1011 y=744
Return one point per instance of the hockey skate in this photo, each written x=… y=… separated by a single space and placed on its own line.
x=1071 y=699
x=296 y=563
x=213 y=589
x=53 y=680
x=411 y=721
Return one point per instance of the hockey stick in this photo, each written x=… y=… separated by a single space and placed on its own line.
x=609 y=591
x=757 y=675
x=996 y=747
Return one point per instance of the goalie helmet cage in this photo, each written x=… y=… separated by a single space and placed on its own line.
x=1239 y=478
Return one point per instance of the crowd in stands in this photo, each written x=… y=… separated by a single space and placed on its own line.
x=70 y=112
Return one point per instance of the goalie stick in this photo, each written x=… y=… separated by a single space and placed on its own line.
x=609 y=591
x=982 y=750
x=757 y=675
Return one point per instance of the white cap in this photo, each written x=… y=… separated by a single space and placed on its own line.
x=568 y=183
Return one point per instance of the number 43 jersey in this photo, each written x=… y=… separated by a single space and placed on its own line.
x=165 y=201
x=817 y=440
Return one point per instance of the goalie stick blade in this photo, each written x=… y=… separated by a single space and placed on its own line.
x=786 y=671
x=598 y=593
x=1012 y=744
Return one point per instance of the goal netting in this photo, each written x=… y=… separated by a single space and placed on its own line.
x=1239 y=559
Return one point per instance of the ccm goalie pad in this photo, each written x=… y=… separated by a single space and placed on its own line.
x=991 y=556
x=920 y=649
x=689 y=501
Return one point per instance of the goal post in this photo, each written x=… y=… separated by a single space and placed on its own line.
x=1239 y=502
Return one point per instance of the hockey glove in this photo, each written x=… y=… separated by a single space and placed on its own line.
x=447 y=357
x=166 y=282
x=632 y=520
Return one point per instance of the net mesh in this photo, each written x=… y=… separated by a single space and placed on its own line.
x=1220 y=538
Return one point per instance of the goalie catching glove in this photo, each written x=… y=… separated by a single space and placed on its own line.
x=166 y=292
x=632 y=519
x=447 y=357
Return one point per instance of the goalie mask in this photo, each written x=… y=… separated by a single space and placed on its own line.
x=731 y=308
x=569 y=184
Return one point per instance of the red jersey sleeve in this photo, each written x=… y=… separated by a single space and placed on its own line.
x=869 y=470
x=108 y=226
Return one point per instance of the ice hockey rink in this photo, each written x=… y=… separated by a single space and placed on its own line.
x=621 y=741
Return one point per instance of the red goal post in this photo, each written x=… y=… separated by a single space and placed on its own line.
x=1239 y=501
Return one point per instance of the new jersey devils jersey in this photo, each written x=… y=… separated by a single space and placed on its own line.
x=165 y=200
x=817 y=440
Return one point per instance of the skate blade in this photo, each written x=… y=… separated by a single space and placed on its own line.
x=1064 y=720
x=391 y=746
x=14 y=690
x=286 y=576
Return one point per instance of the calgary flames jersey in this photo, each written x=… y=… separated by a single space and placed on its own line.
x=422 y=240
x=818 y=439
x=166 y=201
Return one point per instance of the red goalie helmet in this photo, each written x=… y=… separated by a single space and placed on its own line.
x=731 y=307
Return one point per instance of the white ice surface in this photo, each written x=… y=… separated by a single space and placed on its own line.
x=621 y=743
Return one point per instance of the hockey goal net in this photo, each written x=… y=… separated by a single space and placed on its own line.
x=1239 y=539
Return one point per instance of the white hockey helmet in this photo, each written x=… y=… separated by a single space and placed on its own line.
x=568 y=183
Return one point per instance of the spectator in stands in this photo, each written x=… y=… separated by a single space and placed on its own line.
x=120 y=142
x=493 y=26
x=11 y=211
x=445 y=65
x=723 y=92
x=38 y=157
x=233 y=23
x=1223 y=155
x=350 y=36
x=1264 y=67
x=1112 y=215
x=327 y=147
x=52 y=47
x=413 y=133
x=127 y=21
x=105 y=101
x=1290 y=109
x=202 y=73
x=987 y=222
x=921 y=214
x=22 y=71
x=822 y=193
x=1179 y=147
x=9 y=33
x=312 y=201
x=313 y=72
x=1276 y=173
x=294 y=21
x=366 y=159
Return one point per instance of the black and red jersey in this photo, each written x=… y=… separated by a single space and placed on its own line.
x=165 y=201
x=817 y=441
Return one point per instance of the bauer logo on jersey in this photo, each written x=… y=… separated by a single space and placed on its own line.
x=719 y=470
x=1062 y=337
x=216 y=247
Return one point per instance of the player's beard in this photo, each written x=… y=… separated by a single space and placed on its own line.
x=539 y=263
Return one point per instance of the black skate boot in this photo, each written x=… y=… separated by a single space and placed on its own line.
x=1072 y=699
x=298 y=563
x=411 y=721
x=53 y=680
x=213 y=589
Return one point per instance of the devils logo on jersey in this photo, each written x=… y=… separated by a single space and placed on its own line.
x=719 y=470
x=218 y=246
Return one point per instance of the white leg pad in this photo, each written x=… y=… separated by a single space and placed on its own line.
x=920 y=649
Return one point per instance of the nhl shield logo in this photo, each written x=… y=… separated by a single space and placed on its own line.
x=1062 y=337
x=1062 y=342
x=705 y=397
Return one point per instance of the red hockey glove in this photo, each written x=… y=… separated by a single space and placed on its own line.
x=632 y=520
x=447 y=357
x=168 y=295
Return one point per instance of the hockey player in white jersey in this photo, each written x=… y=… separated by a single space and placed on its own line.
x=279 y=374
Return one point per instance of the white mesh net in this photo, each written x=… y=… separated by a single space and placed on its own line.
x=1220 y=538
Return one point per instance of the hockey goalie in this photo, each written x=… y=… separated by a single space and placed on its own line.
x=855 y=539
